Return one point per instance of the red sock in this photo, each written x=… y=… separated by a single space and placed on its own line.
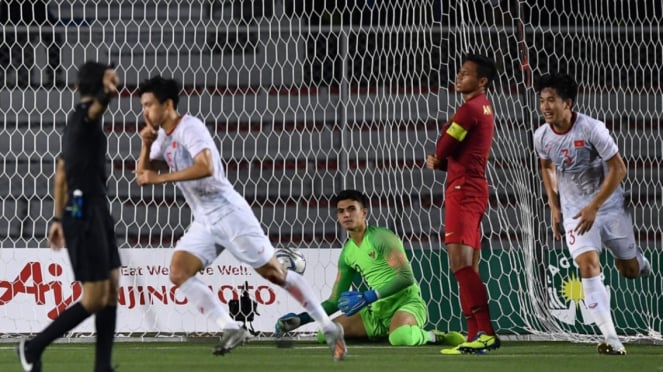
x=466 y=307
x=474 y=300
x=472 y=327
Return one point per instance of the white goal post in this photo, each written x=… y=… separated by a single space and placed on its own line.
x=305 y=100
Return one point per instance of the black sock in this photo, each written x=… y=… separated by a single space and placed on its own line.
x=65 y=322
x=105 y=324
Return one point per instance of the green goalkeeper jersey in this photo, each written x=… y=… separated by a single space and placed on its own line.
x=381 y=261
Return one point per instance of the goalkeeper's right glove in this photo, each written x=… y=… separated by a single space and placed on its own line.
x=291 y=321
x=352 y=301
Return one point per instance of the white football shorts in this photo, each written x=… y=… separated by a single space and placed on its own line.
x=613 y=229
x=239 y=232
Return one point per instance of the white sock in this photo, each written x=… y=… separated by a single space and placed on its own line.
x=298 y=288
x=199 y=295
x=596 y=299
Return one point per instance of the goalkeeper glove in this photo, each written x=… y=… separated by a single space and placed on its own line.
x=289 y=322
x=351 y=302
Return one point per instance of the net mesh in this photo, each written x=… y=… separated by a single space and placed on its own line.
x=307 y=99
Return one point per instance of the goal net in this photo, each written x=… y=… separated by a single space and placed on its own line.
x=308 y=98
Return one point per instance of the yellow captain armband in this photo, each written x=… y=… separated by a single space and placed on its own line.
x=456 y=131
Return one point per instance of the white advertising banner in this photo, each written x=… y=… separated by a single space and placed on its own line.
x=37 y=284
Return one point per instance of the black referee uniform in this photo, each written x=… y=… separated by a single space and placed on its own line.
x=90 y=235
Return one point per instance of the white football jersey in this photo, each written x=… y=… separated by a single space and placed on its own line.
x=209 y=198
x=580 y=156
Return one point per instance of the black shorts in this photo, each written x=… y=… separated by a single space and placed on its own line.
x=90 y=241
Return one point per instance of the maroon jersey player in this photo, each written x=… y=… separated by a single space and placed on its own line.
x=462 y=150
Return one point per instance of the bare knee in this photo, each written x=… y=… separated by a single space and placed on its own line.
x=630 y=269
x=95 y=296
x=92 y=305
x=589 y=264
x=460 y=256
x=183 y=266
x=402 y=318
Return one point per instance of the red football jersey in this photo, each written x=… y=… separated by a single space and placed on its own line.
x=472 y=128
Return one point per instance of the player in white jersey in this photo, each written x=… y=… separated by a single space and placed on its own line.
x=582 y=171
x=222 y=219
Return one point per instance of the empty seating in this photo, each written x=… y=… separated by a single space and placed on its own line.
x=288 y=144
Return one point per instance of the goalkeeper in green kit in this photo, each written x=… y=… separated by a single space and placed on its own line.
x=393 y=306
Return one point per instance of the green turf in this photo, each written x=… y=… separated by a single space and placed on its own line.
x=263 y=356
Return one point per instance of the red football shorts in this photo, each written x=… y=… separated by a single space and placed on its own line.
x=464 y=210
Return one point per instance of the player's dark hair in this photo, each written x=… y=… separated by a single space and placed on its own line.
x=91 y=77
x=485 y=66
x=163 y=89
x=352 y=195
x=565 y=86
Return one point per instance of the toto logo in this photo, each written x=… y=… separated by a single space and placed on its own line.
x=140 y=295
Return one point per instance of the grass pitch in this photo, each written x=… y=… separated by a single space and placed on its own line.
x=309 y=356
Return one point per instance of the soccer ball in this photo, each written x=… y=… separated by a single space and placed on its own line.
x=291 y=259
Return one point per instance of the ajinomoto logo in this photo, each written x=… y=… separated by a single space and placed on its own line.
x=30 y=281
x=566 y=298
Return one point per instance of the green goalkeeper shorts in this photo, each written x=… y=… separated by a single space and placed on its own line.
x=377 y=316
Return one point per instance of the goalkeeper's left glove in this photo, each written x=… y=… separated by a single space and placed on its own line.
x=290 y=321
x=351 y=302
